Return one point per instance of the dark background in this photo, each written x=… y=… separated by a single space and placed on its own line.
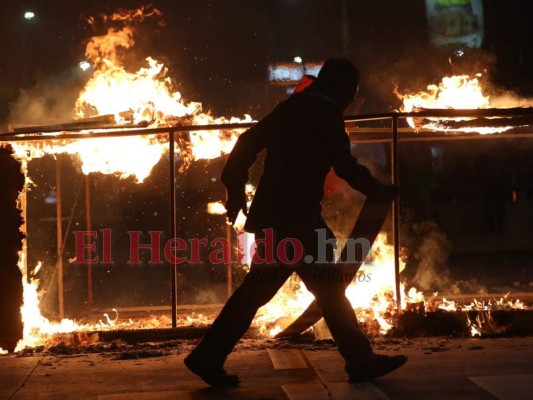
x=218 y=52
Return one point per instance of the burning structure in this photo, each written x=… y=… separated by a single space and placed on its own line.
x=132 y=125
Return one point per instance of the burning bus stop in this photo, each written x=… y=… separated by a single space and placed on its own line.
x=100 y=253
x=126 y=240
x=407 y=313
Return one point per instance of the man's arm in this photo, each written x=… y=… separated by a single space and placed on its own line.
x=348 y=168
x=241 y=158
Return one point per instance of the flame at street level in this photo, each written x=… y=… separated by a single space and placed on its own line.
x=453 y=92
x=38 y=329
x=371 y=293
x=35 y=325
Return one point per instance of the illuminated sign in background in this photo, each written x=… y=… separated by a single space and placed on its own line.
x=289 y=74
x=455 y=22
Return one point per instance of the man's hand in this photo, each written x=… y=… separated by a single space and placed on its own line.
x=235 y=203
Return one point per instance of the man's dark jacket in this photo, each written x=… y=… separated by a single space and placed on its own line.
x=304 y=137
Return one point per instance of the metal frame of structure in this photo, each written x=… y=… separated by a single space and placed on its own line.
x=393 y=134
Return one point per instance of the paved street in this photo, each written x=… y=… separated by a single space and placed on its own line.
x=438 y=368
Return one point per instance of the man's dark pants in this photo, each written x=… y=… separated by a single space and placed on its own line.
x=327 y=282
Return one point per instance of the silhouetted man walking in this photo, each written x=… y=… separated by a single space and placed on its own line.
x=304 y=138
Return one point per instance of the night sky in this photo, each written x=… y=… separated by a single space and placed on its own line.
x=218 y=52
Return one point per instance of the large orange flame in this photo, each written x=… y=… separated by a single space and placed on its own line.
x=143 y=96
x=453 y=92
x=458 y=91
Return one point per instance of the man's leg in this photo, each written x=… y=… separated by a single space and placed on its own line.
x=328 y=285
x=258 y=287
x=367 y=227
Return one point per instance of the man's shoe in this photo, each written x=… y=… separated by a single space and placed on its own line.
x=378 y=365
x=210 y=374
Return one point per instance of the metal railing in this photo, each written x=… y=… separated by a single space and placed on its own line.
x=393 y=134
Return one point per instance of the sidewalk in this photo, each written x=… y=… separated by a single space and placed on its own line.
x=438 y=368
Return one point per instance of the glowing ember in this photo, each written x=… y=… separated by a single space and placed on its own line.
x=216 y=208
x=3 y=352
x=474 y=331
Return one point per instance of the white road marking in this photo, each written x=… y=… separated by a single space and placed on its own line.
x=358 y=391
x=180 y=395
x=287 y=359
x=306 y=391
x=507 y=387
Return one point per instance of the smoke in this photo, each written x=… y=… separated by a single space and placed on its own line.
x=430 y=250
x=50 y=101
x=418 y=66
x=207 y=296
x=431 y=255
x=501 y=98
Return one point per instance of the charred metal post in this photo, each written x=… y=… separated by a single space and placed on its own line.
x=172 y=198
x=89 y=228
x=396 y=211
x=59 y=226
